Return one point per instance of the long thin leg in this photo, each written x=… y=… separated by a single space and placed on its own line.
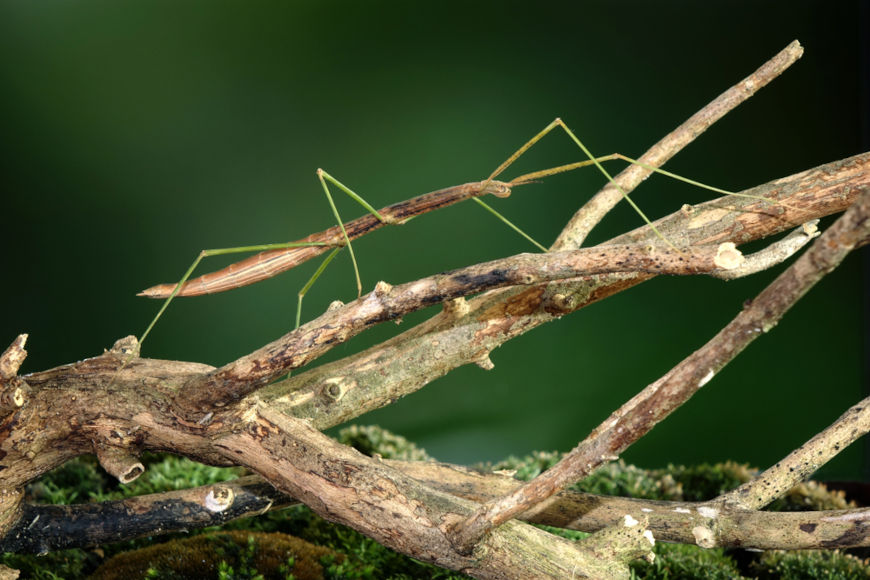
x=596 y=161
x=310 y=283
x=323 y=176
x=557 y=122
x=216 y=252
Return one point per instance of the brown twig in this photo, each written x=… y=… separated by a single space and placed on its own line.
x=635 y=418
x=597 y=207
x=803 y=461
x=776 y=253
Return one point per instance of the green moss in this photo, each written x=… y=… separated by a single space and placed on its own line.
x=686 y=562
x=72 y=482
x=226 y=555
x=366 y=559
x=371 y=440
x=810 y=565
x=704 y=482
x=811 y=496
x=67 y=564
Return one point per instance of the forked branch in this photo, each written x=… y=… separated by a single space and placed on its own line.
x=121 y=405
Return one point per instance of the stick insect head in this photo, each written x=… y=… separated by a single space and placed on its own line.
x=497 y=188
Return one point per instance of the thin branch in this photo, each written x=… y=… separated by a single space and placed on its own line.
x=670 y=521
x=803 y=461
x=595 y=209
x=657 y=401
x=776 y=253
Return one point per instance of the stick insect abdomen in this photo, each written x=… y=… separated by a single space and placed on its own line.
x=272 y=262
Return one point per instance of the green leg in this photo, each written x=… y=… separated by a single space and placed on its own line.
x=596 y=161
x=215 y=252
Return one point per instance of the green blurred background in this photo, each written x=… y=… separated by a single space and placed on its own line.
x=135 y=134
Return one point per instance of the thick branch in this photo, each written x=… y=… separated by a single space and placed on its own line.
x=343 y=485
x=46 y=528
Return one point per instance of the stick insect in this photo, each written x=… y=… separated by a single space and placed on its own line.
x=276 y=258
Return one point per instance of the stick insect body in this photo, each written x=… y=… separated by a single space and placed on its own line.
x=276 y=258
x=272 y=262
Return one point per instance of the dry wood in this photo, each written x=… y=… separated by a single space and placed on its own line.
x=87 y=525
x=803 y=461
x=117 y=405
x=112 y=400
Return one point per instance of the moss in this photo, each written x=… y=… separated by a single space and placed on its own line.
x=810 y=565
x=704 y=482
x=72 y=482
x=65 y=564
x=235 y=554
x=366 y=559
x=811 y=496
x=686 y=562
x=371 y=440
x=615 y=478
